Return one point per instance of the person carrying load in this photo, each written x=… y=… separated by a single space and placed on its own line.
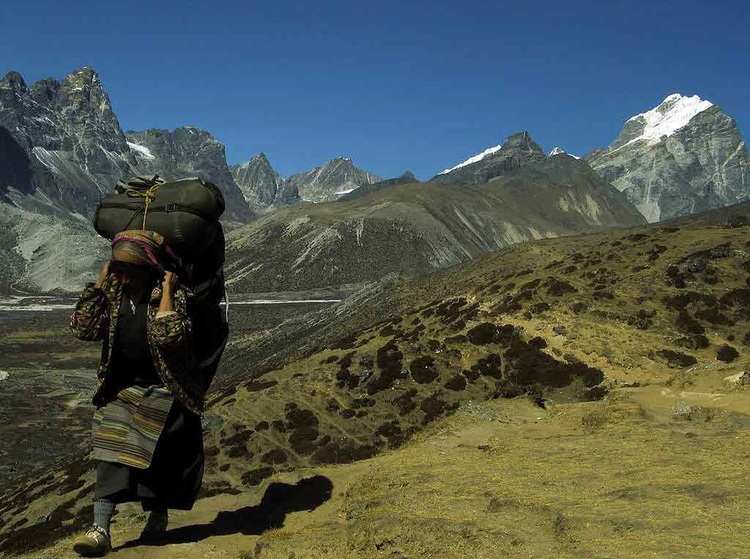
x=151 y=382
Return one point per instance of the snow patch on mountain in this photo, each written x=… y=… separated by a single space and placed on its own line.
x=559 y=151
x=143 y=151
x=474 y=159
x=670 y=116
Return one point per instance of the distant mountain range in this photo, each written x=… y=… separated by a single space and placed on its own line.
x=62 y=149
x=409 y=228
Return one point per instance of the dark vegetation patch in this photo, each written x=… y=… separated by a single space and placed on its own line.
x=257 y=475
x=694 y=341
x=257 y=385
x=362 y=402
x=392 y=432
x=450 y=310
x=528 y=366
x=655 y=252
x=727 y=353
x=347 y=342
x=603 y=293
x=456 y=383
x=459 y=339
x=558 y=288
x=482 y=334
x=303 y=426
x=221 y=487
x=73 y=474
x=433 y=407
x=687 y=324
x=389 y=359
x=471 y=375
x=595 y=393
x=414 y=334
x=390 y=331
x=275 y=456
x=676 y=359
x=675 y=277
x=579 y=307
x=423 y=369
x=538 y=342
x=636 y=237
x=343 y=452
x=405 y=402
x=713 y=316
x=344 y=378
x=240 y=437
x=490 y=366
x=537 y=308
x=642 y=320
x=739 y=301
x=262 y=426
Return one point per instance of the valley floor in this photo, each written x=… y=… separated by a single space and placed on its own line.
x=648 y=472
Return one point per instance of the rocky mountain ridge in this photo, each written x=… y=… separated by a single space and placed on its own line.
x=684 y=156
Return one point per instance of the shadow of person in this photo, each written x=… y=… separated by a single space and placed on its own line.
x=278 y=500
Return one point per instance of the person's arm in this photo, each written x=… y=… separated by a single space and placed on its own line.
x=89 y=319
x=171 y=325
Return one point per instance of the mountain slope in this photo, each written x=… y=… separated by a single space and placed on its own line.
x=654 y=322
x=416 y=228
x=684 y=156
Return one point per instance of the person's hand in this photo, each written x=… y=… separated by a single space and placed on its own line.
x=103 y=273
x=169 y=281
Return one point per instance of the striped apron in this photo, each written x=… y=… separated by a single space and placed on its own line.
x=126 y=430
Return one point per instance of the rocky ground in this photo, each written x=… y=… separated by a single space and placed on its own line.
x=572 y=397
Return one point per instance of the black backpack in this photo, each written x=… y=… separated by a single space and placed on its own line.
x=186 y=213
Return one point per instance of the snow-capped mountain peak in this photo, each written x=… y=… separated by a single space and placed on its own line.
x=670 y=116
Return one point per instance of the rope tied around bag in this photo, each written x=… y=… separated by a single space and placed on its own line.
x=148 y=197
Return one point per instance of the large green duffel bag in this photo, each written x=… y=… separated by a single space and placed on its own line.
x=185 y=211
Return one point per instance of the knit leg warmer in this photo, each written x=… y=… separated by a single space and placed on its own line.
x=103 y=511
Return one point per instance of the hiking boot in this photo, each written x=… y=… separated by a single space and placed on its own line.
x=156 y=527
x=94 y=543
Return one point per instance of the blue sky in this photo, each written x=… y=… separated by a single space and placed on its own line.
x=396 y=86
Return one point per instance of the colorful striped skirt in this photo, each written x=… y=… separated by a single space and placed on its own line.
x=126 y=430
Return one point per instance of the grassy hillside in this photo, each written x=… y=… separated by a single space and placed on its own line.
x=571 y=397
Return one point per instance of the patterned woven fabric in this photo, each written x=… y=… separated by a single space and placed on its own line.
x=143 y=248
x=169 y=336
x=127 y=429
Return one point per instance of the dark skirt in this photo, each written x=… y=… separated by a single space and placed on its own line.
x=173 y=479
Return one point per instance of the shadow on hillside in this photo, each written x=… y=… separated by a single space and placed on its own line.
x=278 y=500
